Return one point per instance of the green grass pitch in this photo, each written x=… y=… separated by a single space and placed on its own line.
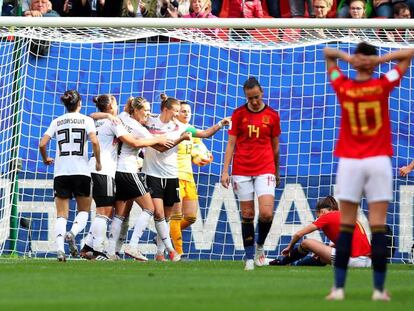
x=193 y=285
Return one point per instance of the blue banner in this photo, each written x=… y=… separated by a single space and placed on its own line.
x=295 y=84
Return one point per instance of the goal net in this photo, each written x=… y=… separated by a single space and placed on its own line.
x=205 y=63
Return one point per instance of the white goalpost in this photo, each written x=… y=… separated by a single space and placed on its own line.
x=204 y=62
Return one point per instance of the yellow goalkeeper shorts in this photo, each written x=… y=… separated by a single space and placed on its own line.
x=188 y=190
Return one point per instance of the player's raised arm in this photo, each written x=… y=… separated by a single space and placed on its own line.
x=403 y=57
x=331 y=56
x=213 y=129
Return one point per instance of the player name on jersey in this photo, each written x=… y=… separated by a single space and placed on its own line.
x=70 y=121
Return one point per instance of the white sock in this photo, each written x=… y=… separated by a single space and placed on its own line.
x=100 y=225
x=89 y=237
x=160 y=246
x=114 y=233
x=60 y=230
x=79 y=223
x=140 y=225
x=163 y=231
x=122 y=235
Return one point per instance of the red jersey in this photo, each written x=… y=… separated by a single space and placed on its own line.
x=365 y=123
x=329 y=223
x=254 y=132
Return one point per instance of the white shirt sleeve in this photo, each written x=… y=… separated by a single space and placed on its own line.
x=392 y=75
x=119 y=130
x=51 y=131
x=90 y=125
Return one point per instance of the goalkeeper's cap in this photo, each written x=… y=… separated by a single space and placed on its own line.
x=366 y=49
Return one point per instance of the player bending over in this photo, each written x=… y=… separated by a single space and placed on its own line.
x=328 y=221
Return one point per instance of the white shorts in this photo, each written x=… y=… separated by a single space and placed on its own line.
x=354 y=262
x=246 y=186
x=371 y=177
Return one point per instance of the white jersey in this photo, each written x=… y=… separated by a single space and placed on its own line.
x=107 y=134
x=163 y=164
x=71 y=132
x=127 y=160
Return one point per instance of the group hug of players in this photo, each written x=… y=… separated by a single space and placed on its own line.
x=116 y=176
x=164 y=190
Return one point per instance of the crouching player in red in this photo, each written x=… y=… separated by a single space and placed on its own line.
x=364 y=149
x=328 y=221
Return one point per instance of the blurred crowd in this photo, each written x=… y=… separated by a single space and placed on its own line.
x=212 y=8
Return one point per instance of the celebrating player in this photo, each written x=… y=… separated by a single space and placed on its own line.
x=364 y=149
x=161 y=172
x=328 y=221
x=254 y=142
x=184 y=213
x=109 y=133
x=130 y=184
x=71 y=176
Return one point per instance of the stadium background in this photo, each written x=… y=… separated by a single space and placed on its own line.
x=294 y=81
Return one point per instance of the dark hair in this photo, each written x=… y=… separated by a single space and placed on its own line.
x=251 y=83
x=183 y=102
x=103 y=101
x=135 y=103
x=400 y=6
x=71 y=100
x=168 y=102
x=329 y=203
x=366 y=49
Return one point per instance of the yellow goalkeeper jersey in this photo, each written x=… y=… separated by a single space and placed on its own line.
x=185 y=169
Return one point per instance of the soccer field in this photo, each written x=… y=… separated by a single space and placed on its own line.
x=129 y=285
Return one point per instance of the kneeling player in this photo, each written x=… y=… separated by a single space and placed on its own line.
x=329 y=222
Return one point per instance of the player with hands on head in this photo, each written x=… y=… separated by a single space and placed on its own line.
x=71 y=176
x=253 y=145
x=364 y=149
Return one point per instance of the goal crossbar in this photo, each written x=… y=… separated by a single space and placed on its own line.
x=237 y=23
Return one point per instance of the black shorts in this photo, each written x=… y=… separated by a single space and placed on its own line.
x=103 y=190
x=129 y=186
x=167 y=189
x=67 y=187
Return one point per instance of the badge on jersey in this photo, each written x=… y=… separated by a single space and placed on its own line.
x=335 y=74
x=392 y=75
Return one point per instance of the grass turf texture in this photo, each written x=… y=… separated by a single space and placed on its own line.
x=128 y=285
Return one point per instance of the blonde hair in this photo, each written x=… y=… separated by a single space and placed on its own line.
x=134 y=103
x=205 y=8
